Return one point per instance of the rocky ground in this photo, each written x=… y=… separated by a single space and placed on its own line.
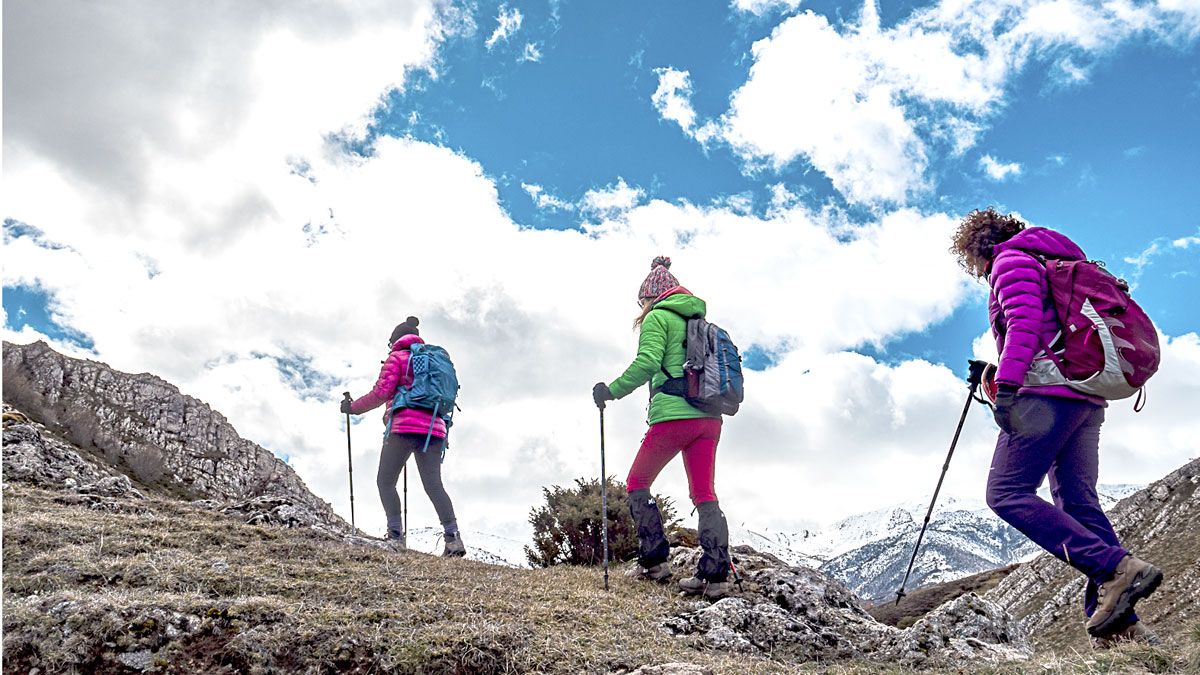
x=102 y=574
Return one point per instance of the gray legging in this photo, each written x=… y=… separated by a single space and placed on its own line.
x=396 y=449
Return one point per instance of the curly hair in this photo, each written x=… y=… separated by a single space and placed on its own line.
x=978 y=234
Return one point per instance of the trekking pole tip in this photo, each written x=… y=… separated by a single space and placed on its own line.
x=899 y=595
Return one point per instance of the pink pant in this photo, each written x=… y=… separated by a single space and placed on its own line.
x=697 y=438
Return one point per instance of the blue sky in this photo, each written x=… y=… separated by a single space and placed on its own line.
x=1111 y=160
x=248 y=214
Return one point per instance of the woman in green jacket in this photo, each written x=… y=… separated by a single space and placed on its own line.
x=675 y=427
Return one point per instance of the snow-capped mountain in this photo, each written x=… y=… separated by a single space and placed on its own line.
x=870 y=551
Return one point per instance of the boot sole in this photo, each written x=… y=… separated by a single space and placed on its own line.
x=1144 y=584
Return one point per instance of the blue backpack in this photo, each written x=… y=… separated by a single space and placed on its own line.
x=712 y=374
x=434 y=385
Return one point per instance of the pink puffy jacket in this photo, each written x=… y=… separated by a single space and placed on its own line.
x=1021 y=309
x=394 y=374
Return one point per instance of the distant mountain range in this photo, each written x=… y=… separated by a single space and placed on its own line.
x=870 y=551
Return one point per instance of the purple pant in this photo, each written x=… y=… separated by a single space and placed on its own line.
x=1059 y=437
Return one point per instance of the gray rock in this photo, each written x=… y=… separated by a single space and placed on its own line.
x=800 y=614
x=143 y=659
x=144 y=426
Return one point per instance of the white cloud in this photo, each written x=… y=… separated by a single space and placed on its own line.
x=532 y=53
x=997 y=170
x=508 y=22
x=870 y=106
x=673 y=98
x=611 y=200
x=1186 y=242
x=545 y=200
x=760 y=7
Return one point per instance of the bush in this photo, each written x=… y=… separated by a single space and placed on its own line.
x=567 y=528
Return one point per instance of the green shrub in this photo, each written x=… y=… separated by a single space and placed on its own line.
x=567 y=528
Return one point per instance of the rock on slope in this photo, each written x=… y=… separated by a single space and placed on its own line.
x=143 y=426
x=798 y=614
x=1160 y=524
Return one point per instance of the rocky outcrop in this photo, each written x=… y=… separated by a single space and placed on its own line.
x=1157 y=524
x=800 y=614
x=146 y=428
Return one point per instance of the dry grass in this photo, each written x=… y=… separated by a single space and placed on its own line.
x=186 y=590
x=257 y=598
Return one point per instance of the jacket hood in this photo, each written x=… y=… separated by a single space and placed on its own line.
x=406 y=341
x=1044 y=242
x=681 y=301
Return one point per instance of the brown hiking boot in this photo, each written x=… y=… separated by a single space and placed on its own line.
x=1134 y=632
x=660 y=573
x=1134 y=580
x=713 y=590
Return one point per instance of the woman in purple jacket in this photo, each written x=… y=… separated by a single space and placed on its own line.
x=407 y=436
x=1048 y=430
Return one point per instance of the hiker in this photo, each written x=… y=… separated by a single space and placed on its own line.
x=1048 y=429
x=675 y=426
x=409 y=431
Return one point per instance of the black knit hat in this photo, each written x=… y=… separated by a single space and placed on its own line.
x=409 y=327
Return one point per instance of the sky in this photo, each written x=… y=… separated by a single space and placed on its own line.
x=245 y=199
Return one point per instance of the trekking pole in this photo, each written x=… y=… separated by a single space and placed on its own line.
x=404 y=474
x=974 y=376
x=603 y=500
x=350 y=464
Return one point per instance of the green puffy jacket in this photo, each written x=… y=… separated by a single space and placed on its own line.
x=661 y=345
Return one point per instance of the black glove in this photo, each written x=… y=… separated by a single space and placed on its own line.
x=600 y=394
x=1006 y=398
x=346 y=406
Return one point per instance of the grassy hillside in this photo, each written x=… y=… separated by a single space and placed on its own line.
x=94 y=591
x=167 y=587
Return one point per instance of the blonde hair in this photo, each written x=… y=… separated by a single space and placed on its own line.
x=646 y=309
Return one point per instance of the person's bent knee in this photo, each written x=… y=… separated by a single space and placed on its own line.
x=1000 y=499
x=634 y=483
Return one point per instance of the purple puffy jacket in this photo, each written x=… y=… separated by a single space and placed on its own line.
x=1020 y=308
x=393 y=374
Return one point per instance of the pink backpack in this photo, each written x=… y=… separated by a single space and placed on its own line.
x=1107 y=346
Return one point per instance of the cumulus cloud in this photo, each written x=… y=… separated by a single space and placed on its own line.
x=870 y=106
x=508 y=22
x=997 y=170
x=266 y=265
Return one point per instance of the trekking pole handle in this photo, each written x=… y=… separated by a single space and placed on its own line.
x=976 y=370
x=346 y=395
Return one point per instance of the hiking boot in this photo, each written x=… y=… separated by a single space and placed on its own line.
x=395 y=543
x=660 y=573
x=454 y=546
x=712 y=590
x=1134 y=580
x=1134 y=632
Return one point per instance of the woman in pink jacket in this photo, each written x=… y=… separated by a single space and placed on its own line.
x=407 y=436
x=1049 y=430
